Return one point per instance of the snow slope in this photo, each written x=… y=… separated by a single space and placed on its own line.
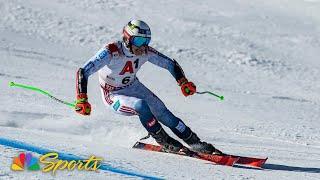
x=263 y=56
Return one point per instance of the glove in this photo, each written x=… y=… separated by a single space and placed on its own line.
x=82 y=105
x=187 y=88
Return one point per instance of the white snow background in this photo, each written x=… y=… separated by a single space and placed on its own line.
x=263 y=56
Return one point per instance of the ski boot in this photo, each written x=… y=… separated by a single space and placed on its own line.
x=200 y=146
x=168 y=143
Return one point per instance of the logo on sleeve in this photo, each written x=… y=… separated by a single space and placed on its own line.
x=103 y=54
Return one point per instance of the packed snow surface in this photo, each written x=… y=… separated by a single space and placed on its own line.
x=263 y=56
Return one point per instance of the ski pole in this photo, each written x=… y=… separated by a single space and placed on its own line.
x=12 y=84
x=211 y=93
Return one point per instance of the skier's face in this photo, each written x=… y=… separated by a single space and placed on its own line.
x=138 y=51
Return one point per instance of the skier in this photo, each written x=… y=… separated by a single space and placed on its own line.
x=117 y=64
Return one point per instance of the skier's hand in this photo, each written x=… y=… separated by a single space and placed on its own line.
x=82 y=105
x=187 y=88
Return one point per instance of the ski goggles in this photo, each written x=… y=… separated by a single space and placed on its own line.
x=140 y=41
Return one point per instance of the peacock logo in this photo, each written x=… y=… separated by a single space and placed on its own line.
x=25 y=160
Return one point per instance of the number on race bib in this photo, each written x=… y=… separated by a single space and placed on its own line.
x=126 y=80
x=128 y=68
x=136 y=63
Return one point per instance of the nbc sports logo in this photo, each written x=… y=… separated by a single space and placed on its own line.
x=53 y=163
x=25 y=160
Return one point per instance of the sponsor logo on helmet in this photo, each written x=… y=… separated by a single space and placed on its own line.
x=140 y=30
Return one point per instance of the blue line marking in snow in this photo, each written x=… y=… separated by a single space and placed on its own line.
x=68 y=157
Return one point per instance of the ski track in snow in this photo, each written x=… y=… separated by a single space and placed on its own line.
x=262 y=56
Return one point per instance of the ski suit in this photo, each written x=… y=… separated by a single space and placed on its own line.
x=124 y=93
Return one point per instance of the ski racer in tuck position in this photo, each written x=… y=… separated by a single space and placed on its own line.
x=117 y=64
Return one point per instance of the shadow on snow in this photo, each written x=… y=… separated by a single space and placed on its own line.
x=279 y=167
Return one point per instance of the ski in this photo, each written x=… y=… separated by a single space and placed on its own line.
x=227 y=160
x=251 y=161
